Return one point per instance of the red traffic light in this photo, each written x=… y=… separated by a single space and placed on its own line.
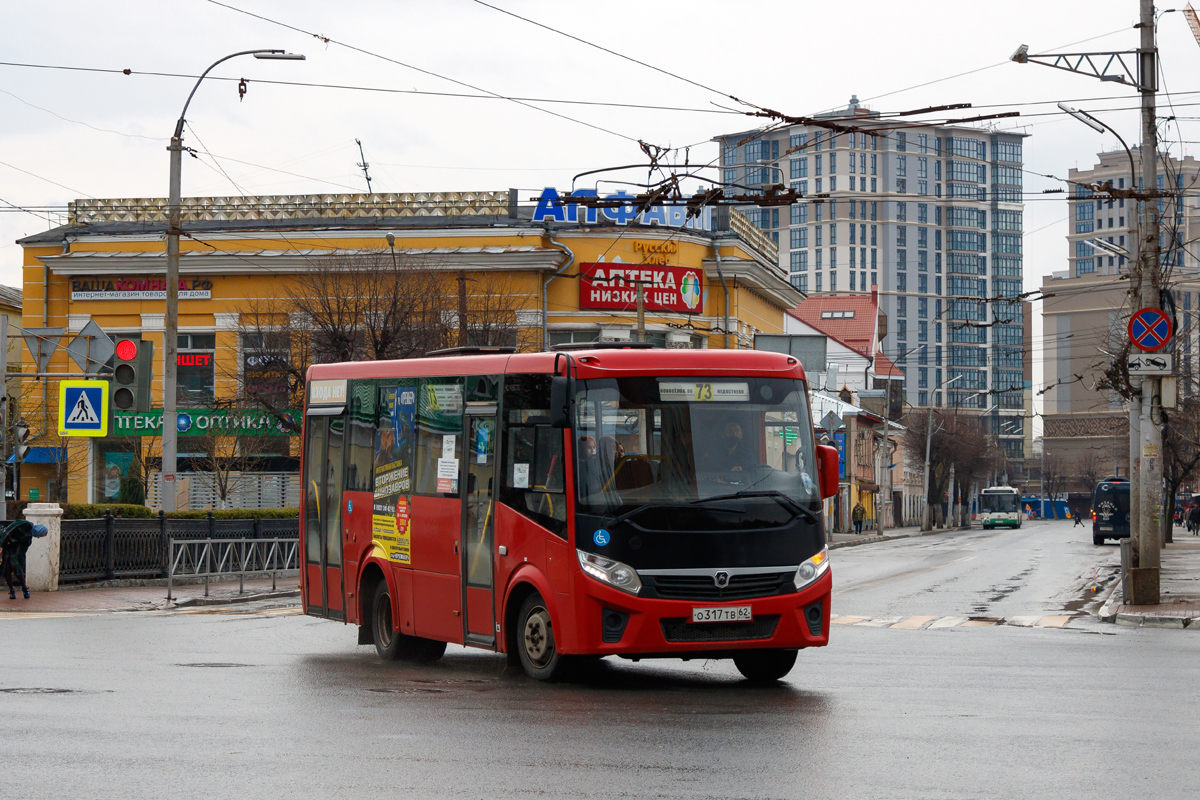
x=127 y=350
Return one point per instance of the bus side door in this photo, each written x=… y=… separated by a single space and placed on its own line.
x=478 y=526
x=324 y=462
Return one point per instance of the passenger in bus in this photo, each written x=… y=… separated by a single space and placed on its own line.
x=590 y=481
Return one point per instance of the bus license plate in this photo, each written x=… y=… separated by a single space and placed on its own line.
x=722 y=614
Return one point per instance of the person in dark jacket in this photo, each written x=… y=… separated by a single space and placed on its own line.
x=1194 y=519
x=14 y=545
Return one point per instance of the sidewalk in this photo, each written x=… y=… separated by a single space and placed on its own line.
x=1179 y=591
x=147 y=598
x=837 y=540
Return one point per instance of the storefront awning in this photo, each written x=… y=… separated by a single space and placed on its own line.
x=41 y=455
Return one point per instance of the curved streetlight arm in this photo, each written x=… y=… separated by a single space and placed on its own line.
x=203 y=75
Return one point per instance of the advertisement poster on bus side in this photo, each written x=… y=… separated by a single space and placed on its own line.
x=391 y=524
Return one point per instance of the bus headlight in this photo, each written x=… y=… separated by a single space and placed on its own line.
x=614 y=573
x=812 y=569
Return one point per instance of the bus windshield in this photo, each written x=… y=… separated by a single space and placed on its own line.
x=677 y=441
x=1002 y=502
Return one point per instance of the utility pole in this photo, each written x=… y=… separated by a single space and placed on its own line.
x=5 y=413
x=462 y=308
x=170 y=434
x=1042 y=482
x=364 y=166
x=1145 y=435
x=1144 y=580
x=641 y=311
x=925 y=522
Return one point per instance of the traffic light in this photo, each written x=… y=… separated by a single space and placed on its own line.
x=133 y=368
x=21 y=443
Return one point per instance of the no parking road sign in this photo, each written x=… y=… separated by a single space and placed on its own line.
x=83 y=408
x=1150 y=329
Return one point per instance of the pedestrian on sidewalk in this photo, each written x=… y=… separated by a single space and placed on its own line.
x=858 y=514
x=1078 y=519
x=1194 y=519
x=14 y=545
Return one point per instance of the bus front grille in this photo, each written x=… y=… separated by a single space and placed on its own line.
x=678 y=629
x=702 y=587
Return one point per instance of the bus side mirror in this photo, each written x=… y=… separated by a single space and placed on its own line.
x=827 y=465
x=560 y=386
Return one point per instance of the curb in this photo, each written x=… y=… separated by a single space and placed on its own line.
x=224 y=601
x=872 y=540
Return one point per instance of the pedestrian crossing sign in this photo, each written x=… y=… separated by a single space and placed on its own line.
x=83 y=408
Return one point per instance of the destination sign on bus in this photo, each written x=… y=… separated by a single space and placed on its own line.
x=703 y=392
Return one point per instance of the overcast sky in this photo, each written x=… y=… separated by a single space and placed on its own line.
x=71 y=134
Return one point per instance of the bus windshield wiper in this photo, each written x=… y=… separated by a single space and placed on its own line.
x=779 y=497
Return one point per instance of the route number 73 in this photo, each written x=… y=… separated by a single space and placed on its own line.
x=704 y=391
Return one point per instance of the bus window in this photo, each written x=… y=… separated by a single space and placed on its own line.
x=360 y=447
x=315 y=452
x=533 y=454
x=439 y=424
x=333 y=499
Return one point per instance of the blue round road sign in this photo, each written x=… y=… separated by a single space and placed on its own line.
x=1150 y=329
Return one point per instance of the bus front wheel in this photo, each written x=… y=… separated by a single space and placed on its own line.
x=535 y=640
x=390 y=643
x=765 y=666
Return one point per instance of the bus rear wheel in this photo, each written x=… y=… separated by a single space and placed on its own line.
x=390 y=643
x=535 y=640
x=1097 y=539
x=765 y=666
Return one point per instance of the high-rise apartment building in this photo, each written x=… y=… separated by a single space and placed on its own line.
x=933 y=216
x=1086 y=309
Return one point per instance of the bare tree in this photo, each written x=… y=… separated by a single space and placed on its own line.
x=1181 y=453
x=1089 y=469
x=958 y=440
x=366 y=306
x=1054 y=476
x=227 y=462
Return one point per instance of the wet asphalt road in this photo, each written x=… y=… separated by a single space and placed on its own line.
x=263 y=704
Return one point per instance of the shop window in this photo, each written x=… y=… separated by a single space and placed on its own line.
x=195 y=370
x=265 y=361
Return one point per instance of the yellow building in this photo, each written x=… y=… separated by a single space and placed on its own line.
x=256 y=267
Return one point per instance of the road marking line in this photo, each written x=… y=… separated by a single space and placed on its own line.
x=849 y=620
x=1022 y=621
x=880 y=622
x=1054 y=621
x=912 y=623
x=45 y=614
x=947 y=622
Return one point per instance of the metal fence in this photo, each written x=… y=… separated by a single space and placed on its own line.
x=114 y=547
x=208 y=558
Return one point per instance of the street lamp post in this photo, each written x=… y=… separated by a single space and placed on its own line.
x=925 y=526
x=170 y=432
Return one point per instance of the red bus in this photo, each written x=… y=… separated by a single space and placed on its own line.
x=642 y=503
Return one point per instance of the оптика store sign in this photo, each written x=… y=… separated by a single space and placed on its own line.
x=203 y=421
x=138 y=289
